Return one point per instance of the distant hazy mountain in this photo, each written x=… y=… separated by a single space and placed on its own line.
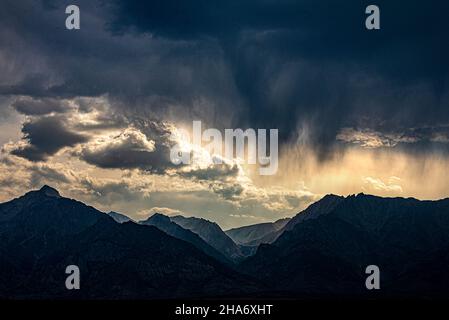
x=253 y=234
x=118 y=217
x=324 y=206
x=326 y=249
x=212 y=234
x=164 y=223
x=41 y=233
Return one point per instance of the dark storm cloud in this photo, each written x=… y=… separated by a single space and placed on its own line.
x=324 y=30
x=259 y=64
x=146 y=147
x=128 y=156
x=36 y=107
x=141 y=75
x=35 y=85
x=46 y=136
x=315 y=61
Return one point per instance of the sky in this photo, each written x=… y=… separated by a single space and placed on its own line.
x=94 y=112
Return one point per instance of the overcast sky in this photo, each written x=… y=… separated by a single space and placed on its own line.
x=92 y=111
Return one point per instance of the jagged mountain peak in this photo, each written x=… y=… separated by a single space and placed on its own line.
x=50 y=233
x=159 y=217
x=49 y=191
x=316 y=209
x=45 y=191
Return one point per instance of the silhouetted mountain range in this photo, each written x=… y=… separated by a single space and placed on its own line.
x=325 y=249
x=318 y=208
x=41 y=233
x=321 y=252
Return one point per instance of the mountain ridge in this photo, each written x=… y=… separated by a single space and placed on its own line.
x=165 y=224
x=323 y=253
x=40 y=235
x=326 y=253
x=212 y=234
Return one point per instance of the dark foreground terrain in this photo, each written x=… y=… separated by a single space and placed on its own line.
x=320 y=253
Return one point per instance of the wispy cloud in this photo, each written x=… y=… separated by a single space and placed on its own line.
x=368 y=138
x=392 y=186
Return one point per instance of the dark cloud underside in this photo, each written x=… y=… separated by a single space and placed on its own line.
x=45 y=137
x=36 y=107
